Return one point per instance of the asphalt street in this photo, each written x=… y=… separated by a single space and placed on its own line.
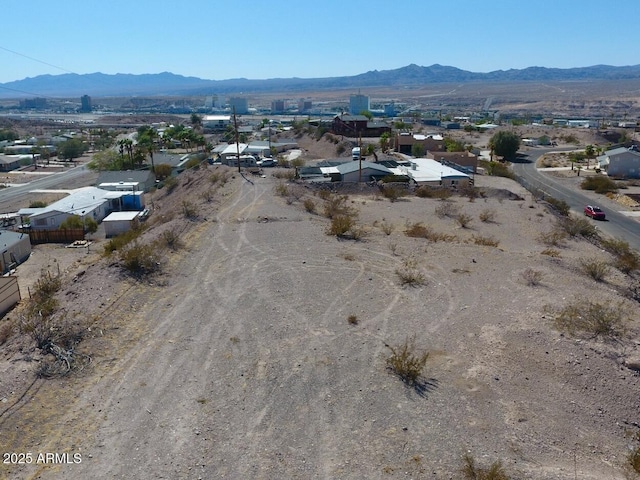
x=617 y=225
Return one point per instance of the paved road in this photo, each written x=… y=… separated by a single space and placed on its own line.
x=14 y=193
x=617 y=224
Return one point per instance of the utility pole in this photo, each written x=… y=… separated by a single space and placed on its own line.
x=235 y=126
x=360 y=158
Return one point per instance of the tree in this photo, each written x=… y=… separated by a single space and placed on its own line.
x=590 y=152
x=196 y=121
x=163 y=171
x=106 y=160
x=417 y=150
x=367 y=114
x=370 y=149
x=384 y=142
x=71 y=149
x=452 y=145
x=505 y=144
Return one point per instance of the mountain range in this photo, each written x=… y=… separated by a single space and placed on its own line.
x=169 y=84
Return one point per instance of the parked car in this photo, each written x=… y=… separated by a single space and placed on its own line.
x=594 y=212
x=267 y=162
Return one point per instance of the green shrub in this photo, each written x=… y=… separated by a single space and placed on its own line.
x=120 y=241
x=578 y=226
x=37 y=204
x=393 y=193
x=341 y=225
x=599 y=184
x=426 y=191
x=335 y=205
x=407 y=362
x=193 y=163
x=140 y=259
x=559 y=206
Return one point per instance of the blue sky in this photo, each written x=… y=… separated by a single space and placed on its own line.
x=258 y=39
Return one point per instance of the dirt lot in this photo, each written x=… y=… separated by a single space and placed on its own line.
x=239 y=361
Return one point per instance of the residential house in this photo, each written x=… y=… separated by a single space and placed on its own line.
x=83 y=202
x=15 y=248
x=11 y=162
x=362 y=171
x=621 y=162
x=430 y=143
x=466 y=162
x=358 y=126
x=426 y=171
x=136 y=180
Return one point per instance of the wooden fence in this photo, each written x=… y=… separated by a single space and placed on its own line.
x=55 y=236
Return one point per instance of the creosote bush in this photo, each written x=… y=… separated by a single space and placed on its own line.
x=463 y=220
x=189 y=210
x=171 y=239
x=486 y=241
x=309 y=205
x=599 y=184
x=487 y=216
x=532 y=277
x=596 y=269
x=578 y=226
x=447 y=209
x=418 y=230
x=120 y=241
x=140 y=259
x=584 y=317
x=410 y=274
x=352 y=319
x=407 y=362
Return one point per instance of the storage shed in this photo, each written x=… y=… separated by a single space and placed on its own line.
x=16 y=248
x=119 y=222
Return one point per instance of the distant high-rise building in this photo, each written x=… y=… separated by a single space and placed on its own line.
x=240 y=104
x=304 y=105
x=358 y=103
x=37 y=103
x=278 y=106
x=85 y=102
x=208 y=101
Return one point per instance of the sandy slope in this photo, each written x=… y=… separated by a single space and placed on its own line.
x=244 y=365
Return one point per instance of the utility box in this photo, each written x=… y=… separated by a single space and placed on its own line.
x=119 y=222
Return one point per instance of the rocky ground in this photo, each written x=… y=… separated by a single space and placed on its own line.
x=238 y=359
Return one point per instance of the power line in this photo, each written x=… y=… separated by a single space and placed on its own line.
x=34 y=59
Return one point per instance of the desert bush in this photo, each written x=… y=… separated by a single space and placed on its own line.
x=463 y=220
x=170 y=184
x=532 y=277
x=341 y=226
x=471 y=471
x=393 y=193
x=486 y=241
x=471 y=192
x=447 y=209
x=335 y=205
x=591 y=318
x=282 y=189
x=37 y=204
x=487 y=216
x=634 y=459
x=171 y=239
x=498 y=169
x=140 y=259
x=575 y=226
x=596 y=269
x=189 y=210
x=386 y=227
x=310 y=205
x=120 y=241
x=626 y=259
x=426 y=191
x=297 y=162
x=559 y=206
x=550 y=252
x=6 y=330
x=352 y=319
x=409 y=273
x=407 y=362
x=418 y=230
x=554 y=238
x=599 y=184
x=324 y=194
x=284 y=174
x=393 y=247
x=162 y=171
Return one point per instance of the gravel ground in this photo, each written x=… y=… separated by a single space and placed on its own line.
x=239 y=361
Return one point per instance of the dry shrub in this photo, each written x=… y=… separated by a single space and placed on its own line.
x=550 y=252
x=634 y=459
x=282 y=189
x=393 y=193
x=426 y=191
x=336 y=205
x=418 y=230
x=189 y=210
x=171 y=239
x=140 y=259
x=471 y=471
x=463 y=220
x=627 y=260
x=447 y=209
x=596 y=269
x=120 y=241
x=352 y=319
x=591 y=318
x=486 y=241
x=487 y=216
x=554 y=238
x=342 y=226
x=6 y=330
x=309 y=205
x=410 y=274
x=407 y=362
x=578 y=226
x=386 y=227
x=170 y=184
x=284 y=174
x=532 y=277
